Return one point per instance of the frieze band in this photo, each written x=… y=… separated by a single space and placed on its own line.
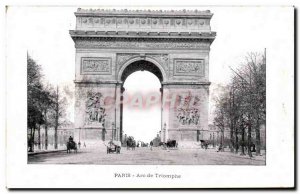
x=177 y=20
x=148 y=23
x=141 y=44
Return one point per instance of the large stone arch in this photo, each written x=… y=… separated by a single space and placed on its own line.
x=131 y=66
x=108 y=42
x=141 y=59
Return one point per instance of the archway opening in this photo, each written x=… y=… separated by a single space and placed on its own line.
x=141 y=115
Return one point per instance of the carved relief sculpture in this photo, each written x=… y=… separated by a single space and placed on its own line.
x=95 y=113
x=189 y=67
x=95 y=65
x=162 y=59
x=188 y=112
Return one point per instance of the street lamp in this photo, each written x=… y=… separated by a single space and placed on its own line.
x=117 y=135
x=79 y=134
x=112 y=131
x=165 y=133
x=213 y=139
x=159 y=136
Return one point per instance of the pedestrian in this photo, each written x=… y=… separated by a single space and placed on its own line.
x=220 y=148
x=84 y=144
x=151 y=144
x=79 y=144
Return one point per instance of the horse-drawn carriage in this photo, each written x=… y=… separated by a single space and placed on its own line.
x=130 y=143
x=71 y=145
x=172 y=144
x=204 y=144
x=169 y=144
x=113 y=147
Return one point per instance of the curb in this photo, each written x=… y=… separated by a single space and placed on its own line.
x=44 y=152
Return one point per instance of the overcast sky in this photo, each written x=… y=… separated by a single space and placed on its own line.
x=44 y=31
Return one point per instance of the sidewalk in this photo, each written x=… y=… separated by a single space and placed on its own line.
x=45 y=151
x=227 y=152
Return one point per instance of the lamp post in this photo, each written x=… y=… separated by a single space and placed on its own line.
x=112 y=130
x=218 y=137
x=213 y=139
x=165 y=132
x=79 y=134
x=160 y=136
x=117 y=135
x=125 y=139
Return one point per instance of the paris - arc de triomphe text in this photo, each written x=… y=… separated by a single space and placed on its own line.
x=112 y=44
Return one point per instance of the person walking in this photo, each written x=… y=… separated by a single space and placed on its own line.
x=151 y=144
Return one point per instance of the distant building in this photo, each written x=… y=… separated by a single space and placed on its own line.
x=63 y=133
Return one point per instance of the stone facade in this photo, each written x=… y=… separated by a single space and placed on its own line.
x=111 y=44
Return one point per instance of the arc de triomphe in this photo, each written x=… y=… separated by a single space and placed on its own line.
x=112 y=44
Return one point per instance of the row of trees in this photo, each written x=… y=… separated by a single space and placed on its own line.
x=241 y=106
x=45 y=106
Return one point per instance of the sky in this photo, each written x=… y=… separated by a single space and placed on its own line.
x=143 y=124
x=44 y=32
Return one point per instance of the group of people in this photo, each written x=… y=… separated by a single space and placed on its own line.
x=252 y=147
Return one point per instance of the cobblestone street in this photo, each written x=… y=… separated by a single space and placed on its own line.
x=98 y=155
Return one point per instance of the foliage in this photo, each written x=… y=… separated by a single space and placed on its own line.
x=34 y=91
x=242 y=105
x=45 y=105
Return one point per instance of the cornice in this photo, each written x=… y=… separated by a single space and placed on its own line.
x=186 y=83
x=163 y=83
x=79 y=82
x=79 y=34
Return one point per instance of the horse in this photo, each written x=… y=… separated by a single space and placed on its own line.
x=172 y=144
x=71 y=145
x=130 y=144
x=204 y=144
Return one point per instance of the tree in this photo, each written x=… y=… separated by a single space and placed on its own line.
x=226 y=114
x=252 y=78
x=221 y=116
x=47 y=105
x=34 y=89
x=242 y=129
x=243 y=104
x=59 y=110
